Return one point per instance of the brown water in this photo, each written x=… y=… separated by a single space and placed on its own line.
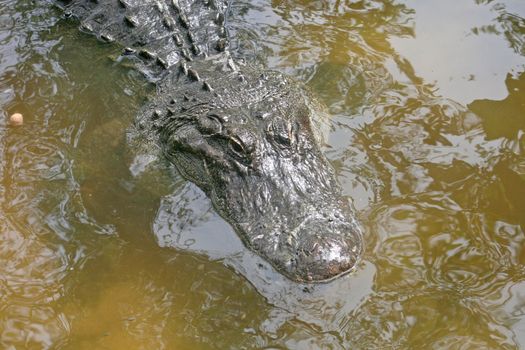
x=104 y=246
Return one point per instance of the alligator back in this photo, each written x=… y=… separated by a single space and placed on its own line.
x=159 y=33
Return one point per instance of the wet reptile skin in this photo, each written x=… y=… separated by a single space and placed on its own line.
x=244 y=135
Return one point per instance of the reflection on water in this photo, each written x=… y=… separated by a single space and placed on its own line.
x=104 y=246
x=452 y=53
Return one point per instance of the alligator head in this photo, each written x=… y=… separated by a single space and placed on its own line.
x=252 y=147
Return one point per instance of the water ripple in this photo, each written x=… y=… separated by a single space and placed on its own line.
x=103 y=246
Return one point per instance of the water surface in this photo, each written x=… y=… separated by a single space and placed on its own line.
x=105 y=246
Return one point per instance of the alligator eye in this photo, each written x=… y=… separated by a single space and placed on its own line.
x=237 y=147
x=241 y=143
x=283 y=140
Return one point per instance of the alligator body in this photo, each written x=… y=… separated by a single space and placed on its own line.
x=243 y=135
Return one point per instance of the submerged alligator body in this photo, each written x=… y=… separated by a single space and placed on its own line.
x=245 y=136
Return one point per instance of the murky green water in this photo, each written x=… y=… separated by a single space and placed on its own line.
x=103 y=246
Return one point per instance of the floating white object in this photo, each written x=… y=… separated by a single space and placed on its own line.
x=16 y=119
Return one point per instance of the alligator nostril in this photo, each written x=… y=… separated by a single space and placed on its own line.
x=321 y=259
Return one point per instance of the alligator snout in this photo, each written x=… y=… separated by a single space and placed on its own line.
x=325 y=259
x=323 y=249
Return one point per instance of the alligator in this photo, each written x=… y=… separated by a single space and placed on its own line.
x=245 y=135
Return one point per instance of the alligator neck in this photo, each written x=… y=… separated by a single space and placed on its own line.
x=157 y=34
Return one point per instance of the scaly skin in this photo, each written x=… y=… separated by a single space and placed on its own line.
x=242 y=134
